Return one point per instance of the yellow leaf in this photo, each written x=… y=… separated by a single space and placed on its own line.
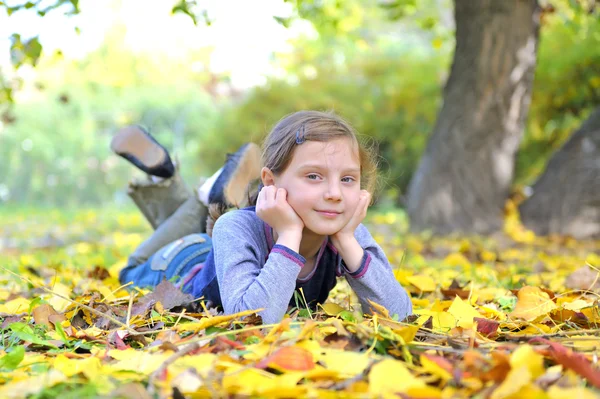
x=424 y=392
x=421 y=303
x=556 y=392
x=456 y=259
x=443 y=321
x=213 y=321
x=248 y=381
x=58 y=303
x=332 y=309
x=391 y=376
x=204 y=363
x=17 y=305
x=106 y=293
x=463 y=312
x=434 y=369
x=532 y=302
x=423 y=283
x=576 y=305
x=407 y=333
x=379 y=310
x=513 y=383
x=90 y=367
x=487 y=256
x=347 y=364
x=141 y=362
x=525 y=356
x=29 y=386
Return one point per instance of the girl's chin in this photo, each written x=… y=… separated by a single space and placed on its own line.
x=322 y=230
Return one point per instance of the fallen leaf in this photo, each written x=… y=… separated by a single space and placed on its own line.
x=571 y=360
x=583 y=278
x=532 y=303
x=463 y=312
x=486 y=327
x=289 y=358
x=168 y=295
x=423 y=283
x=391 y=376
x=42 y=313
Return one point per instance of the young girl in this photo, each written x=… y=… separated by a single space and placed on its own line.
x=303 y=232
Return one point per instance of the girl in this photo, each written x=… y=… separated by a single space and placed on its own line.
x=303 y=232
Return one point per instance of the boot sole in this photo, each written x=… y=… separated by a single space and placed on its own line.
x=132 y=140
x=248 y=169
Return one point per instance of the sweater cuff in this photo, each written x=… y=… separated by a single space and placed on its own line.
x=364 y=265
x=290 y=254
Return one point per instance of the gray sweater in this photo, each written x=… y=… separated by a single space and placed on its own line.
x=253 y=272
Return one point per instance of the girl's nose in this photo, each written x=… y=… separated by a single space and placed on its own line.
x=333 y=192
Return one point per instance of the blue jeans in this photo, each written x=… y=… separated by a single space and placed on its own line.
x=171 y=262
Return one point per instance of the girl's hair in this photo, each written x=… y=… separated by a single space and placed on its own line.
x=289 y=132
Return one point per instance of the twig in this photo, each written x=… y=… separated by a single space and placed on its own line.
x=2 y=314
x=129 y=308
x=553 y=335
x=96 y=312
x=170 y=360
x=183 y=316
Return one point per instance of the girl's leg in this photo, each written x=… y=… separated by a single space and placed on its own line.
x=171 y=262
x=177 y=215
x=168 y=204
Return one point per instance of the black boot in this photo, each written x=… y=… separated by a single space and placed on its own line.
x=136 y=145
x=240 y=169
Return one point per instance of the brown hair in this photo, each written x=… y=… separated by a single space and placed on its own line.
x=279 y=145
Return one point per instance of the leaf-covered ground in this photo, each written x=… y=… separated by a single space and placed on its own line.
x=513 y=316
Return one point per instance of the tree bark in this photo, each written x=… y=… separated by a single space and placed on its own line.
x=464 y=176
x=566 y=198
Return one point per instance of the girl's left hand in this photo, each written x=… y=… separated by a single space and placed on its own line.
x=359 y=214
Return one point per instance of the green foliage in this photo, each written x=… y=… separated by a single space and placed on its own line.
x=385 y=76
x=394 y=103
x=566 y=88
x=11 y=360
x=57 y=149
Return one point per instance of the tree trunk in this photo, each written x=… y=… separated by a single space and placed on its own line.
x=464 y=176
x=566 y=198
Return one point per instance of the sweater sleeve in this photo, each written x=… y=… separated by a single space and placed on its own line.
x=245 y=280
x=374 y=279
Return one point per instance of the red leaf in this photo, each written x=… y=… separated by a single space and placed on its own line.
x=486 y=327
x=572 y=360
x=289 y=358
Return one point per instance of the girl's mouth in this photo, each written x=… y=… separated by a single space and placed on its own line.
x=329 y=213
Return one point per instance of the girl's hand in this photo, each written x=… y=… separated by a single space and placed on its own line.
x=344 y=240
x=272 y=207
x=359 y=214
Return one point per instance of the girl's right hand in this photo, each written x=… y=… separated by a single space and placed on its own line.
x=272 y=207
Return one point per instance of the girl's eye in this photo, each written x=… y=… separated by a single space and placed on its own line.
x=348 y=179
x=313 y=176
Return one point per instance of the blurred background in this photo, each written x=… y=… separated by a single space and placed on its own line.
x=496 y=89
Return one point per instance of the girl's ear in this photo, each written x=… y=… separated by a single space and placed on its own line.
x=267 y=177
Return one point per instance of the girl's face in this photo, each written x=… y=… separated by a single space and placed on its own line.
x=323 y=184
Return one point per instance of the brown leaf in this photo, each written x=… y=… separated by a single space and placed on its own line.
x=43 y=313
x=99 y=273
x=486 y=327
x=583 y=278
x=571 y=360
x=563 y=315
x=454 y=290
x=168 y=295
